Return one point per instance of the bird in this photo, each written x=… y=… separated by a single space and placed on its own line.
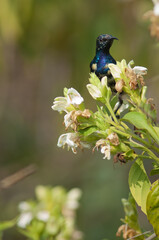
x=99 y=64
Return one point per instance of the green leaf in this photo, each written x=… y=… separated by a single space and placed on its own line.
x=87 y=131
x=137 y=119
x=152 y=206
x=7 y=224
x=155 y=170
x=157 y=130
x=29 y=235
x=114 y=100
x=139 y=183
x=140 y=121
x=131 y=216
x=151 y=113
x=83 y=126
x=94 y=80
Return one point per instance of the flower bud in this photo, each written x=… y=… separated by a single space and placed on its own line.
x=119 y=85
x=113 y=138
x=94 y=91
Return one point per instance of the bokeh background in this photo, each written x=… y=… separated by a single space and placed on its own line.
x=46 y=45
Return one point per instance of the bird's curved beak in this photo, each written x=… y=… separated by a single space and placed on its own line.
x=114 y=38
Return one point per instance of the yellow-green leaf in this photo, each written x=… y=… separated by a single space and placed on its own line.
x=152 y=206
x=140 y=121
x=139 y=183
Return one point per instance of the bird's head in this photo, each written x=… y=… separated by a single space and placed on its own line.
x=104 y=41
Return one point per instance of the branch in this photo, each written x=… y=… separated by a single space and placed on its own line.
x=16 y=177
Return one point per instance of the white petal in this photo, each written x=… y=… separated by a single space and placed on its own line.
x=94 y=91
x=43 y=216
x=59 y=108
x=60 y=99
x=71 y=204
x=115 y=70
x=24 y=219
x=104 y=81
x=123 y=64
x=60 y=104
x=67 y=119
x=74 y=194
x=106 y=151
x=69 y=139
x=140 y=70
x=24 y=206
x=131 y=63
x=70 y=142
x=155 y=1
x=62 y=140
x=156 y=9
x=73 y=97
x=123 y=107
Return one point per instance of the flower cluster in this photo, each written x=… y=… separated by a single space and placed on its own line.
x=103 y=129
x=72 y=104
x=52 y=215
x=153 y=15
x=127 y=78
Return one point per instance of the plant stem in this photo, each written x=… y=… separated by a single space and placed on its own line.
x=111 y=111
x=145 y=143
x=146 y=146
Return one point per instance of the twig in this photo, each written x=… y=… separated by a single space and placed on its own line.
x=16 y=177
x=140 y=235
x=151 y=237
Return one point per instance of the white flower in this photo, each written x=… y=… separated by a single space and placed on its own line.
x=130 y=63
x=105 y=148
x=106 y=151
x=43 y=216
x=156 y=9
x=67 y=119
x=123 y=107
x=73 y=97
x=60 y=104
x=68 y=139
x=24 y=219
x=140 y=70
x=94 y=91
x=115 y=70
x=71 y=204
x=24 y=206
x=73 y=198
x=72 y=140
x=74 y=194
x=104 y=82
x=155 y=1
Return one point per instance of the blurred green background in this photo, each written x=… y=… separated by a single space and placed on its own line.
x=46 y=45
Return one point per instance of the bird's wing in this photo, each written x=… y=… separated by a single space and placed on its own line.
x=93 y=64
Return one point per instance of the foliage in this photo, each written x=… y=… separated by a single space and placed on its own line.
x=131 y=227
x=51 y=216
x=152 y=206
x=132 y=137
x=6 y=225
